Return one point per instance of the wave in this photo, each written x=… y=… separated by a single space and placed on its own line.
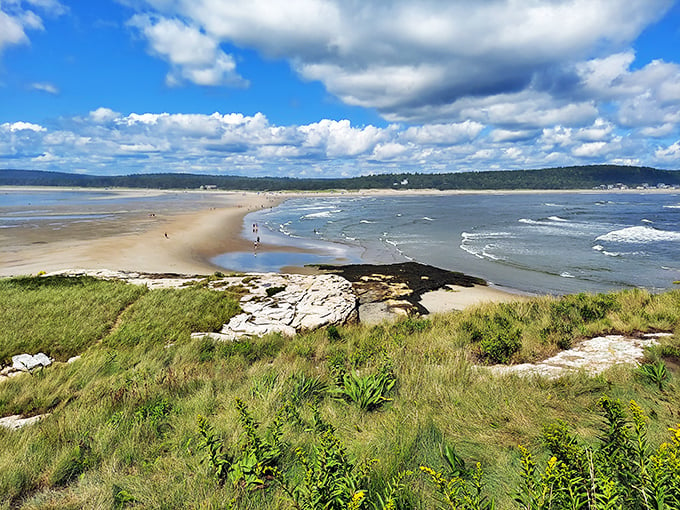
x=551 y=221
x=565 y=274
x=639 y=235
x=426 y=218
x=322 y=214
x=366 y=221
x=643 y=220
x=671 y=206
x=486 y=235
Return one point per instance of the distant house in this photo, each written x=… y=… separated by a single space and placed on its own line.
x=209 y=186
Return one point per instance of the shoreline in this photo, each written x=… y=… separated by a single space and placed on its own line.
x=213 y=226
x=138 y=243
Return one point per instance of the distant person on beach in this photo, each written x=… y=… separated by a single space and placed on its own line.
x=166 y=235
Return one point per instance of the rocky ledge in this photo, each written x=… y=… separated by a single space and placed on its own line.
x=289 y=303
x=592 y=356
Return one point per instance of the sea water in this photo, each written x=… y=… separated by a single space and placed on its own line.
x=55 y=209
x=537 y=243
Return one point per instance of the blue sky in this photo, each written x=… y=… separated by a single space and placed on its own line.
x=327 y=88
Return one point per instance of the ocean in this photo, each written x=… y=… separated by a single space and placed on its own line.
x=538 y=243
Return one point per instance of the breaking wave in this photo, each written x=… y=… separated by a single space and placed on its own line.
x=639 y=235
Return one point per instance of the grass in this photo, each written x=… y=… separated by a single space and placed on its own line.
x=58 y=315
x=123 y=429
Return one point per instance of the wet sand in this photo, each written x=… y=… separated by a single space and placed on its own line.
x=183 y=242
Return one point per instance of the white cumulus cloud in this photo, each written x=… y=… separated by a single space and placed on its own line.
x=193 y=55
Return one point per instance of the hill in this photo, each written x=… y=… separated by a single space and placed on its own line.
x=398 y=415
x=574 y=177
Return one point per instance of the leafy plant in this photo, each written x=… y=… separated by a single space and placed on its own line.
x=460 y=493
x=332 y=480
x=621 y=474
x=656 y=373
x=368 y=391
x=255 y=463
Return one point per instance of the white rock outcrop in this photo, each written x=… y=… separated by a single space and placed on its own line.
x=28 y=363
x=16 y=421
x=592 y=356
x=294 y=303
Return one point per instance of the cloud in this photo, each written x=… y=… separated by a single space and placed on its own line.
x=45 y=87
x=193 y=55
x=240 y=144
x=21 y=126
x=423 y=61
x=16 y=17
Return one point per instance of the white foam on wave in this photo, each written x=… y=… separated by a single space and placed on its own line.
x=469 y=243
x=644 y=220
x=486 y=235
x=671 y=206
x=366 y=221
x=557 y=218
x=427 y=218
x=565 y=274
x=639 y=235
x=322 y=214
x=600 y=248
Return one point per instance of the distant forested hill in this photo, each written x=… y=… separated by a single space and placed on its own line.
x=575 y=177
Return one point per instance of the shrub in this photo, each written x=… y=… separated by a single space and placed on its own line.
x=271 y=291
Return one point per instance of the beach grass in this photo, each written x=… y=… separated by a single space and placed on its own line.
x=123 y=428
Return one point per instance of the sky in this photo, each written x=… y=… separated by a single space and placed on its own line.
x=337 y=88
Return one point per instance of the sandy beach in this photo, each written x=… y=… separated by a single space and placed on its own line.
x=179 y=242
x=182 y=242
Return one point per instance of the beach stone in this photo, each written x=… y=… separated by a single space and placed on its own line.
x=73 y=359
x=27 y=362
x=593 y=356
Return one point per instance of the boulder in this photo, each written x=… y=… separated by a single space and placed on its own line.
x=28 y=363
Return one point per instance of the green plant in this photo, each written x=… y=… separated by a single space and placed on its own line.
x=121 y=497
x=460 y=493
x=498 y=335
x=306 y=388
x=332 y=333
x=623 y=473
x=656 y=373
x=271 y=291
x=255 y=463
x=368 y=391
x=331 y=480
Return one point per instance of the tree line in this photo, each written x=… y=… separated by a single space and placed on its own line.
x=573 y=177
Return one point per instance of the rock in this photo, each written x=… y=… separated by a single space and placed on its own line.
x=305 y=302
x=27 y=363
x=72 y=359
x=592 y=356
x=16 y=421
